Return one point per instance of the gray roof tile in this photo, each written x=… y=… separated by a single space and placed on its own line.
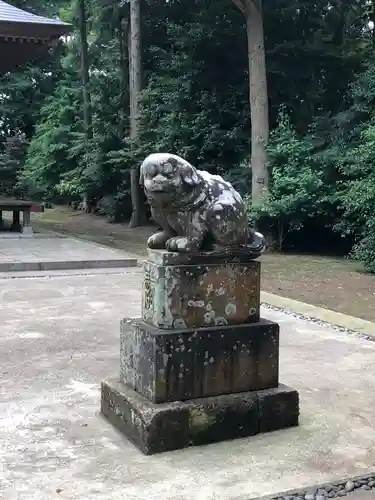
x=11 y=14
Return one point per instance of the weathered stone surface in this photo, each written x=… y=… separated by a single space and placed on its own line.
x=152 y=428
x=155 y=428
x=184 y=364
x=195 y=296
x=231 y=256
x=278 y=408
x=195 y=209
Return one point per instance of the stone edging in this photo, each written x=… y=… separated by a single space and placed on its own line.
x=325 y=316
x=334 y=489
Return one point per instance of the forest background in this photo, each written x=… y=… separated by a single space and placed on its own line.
x=64 y=137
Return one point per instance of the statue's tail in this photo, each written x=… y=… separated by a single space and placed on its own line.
x=256 y=242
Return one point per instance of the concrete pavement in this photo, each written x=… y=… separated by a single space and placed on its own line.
x=59 y=337
x=53 y=253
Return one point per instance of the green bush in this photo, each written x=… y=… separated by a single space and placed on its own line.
x=297 y=191
x=358 y=200
x=364 y=250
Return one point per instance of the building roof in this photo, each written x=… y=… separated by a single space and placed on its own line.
x=15 y=22
x=24 y=36
x=12 y=14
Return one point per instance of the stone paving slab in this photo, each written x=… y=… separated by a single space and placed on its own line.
x=59 y=338
x=20 y=236
x=58 y=272
x=45 y=254
x=362 y=495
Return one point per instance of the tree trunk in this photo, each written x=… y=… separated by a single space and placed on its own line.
x=258 y=100
x=124 y=41
x=85 y=79
x=87 y=110
x=252 y=9
x=135 y=86
x=372 y=18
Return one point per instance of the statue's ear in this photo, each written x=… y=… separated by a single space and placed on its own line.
x=190 y=175
x=142 y=172
x=141 y=177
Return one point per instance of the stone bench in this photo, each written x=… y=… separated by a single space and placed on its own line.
x=16 y=207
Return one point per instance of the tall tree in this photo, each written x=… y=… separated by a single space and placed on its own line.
x=252 y=10
x=87 y=114
x=135 y=87
x=87 y=106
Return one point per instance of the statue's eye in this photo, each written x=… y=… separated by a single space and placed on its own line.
x=167 y=168
x=151 y=171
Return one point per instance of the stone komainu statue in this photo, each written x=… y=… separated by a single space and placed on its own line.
x=196 y=210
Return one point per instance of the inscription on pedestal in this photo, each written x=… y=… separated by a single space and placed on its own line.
x=202 y=295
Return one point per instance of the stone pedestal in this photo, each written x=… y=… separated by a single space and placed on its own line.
x=212 y=291
x=176 y=365
x=200 y=365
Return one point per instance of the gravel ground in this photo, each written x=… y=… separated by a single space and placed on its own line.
x=319 y=322
x=336 y=490
x=342 y=488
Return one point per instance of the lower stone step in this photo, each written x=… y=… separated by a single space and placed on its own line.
x=156 y=428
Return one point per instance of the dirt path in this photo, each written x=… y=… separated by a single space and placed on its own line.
x=337 y=284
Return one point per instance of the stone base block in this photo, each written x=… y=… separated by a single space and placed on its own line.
x=156 y=428
x=167 y=366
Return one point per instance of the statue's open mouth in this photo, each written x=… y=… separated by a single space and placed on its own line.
x=159 y=189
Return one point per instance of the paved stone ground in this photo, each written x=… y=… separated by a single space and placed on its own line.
x=363 y=495
x=30 y=254
x=59 y=337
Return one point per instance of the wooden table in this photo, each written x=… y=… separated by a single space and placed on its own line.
x=17 y=206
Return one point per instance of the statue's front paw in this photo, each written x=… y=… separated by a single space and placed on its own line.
x=158 y=240
x=177 y=244
x=181 y=244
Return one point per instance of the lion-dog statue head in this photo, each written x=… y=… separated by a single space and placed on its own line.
x=169 y=179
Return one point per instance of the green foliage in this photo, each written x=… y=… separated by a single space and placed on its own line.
x=196 y=98
x=327 y=175
x=364 y=250
x=49 y=156
x=355 y=160
x=10 y=162
x=359 y=197
x=297 y=191
x=195 y=103
x=308 y=45
x=61 y=162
